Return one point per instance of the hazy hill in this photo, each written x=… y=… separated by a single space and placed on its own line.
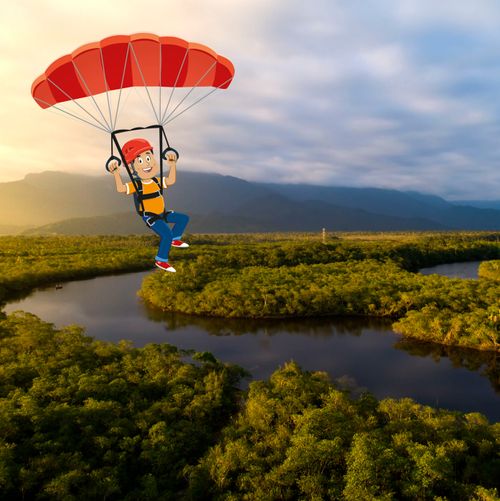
x=123 y=223
x=126 y=223
x=50 y=197
x=392 y=202
x=285 y=214
x=53 y=196
x=481 y=204
x=310 y=216
x=54 y=202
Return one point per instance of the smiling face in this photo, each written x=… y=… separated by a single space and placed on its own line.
x=146 y=166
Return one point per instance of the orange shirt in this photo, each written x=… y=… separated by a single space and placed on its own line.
x=156 y=205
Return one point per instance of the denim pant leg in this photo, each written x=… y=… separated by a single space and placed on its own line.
x=180 y=222
x=161 y=228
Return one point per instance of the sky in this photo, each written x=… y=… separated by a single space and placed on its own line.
x=401 y=94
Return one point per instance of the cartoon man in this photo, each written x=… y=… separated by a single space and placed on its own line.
x=148 y=199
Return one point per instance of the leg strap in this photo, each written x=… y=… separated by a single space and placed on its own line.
x=152 y=217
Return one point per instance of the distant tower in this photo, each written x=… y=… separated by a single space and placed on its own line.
x=324 y=235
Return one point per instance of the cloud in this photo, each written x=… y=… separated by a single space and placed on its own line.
x=400 y=94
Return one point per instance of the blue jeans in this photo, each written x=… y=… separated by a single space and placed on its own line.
x=161 y=228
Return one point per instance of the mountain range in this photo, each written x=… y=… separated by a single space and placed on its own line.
x=61 y=203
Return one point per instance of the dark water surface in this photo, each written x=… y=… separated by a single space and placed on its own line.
x=454 y=270
x=363 y=353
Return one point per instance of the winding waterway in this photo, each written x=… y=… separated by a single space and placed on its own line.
x=358 y=353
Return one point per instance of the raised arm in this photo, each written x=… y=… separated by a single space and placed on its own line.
x=172 y=163
x=120 y=187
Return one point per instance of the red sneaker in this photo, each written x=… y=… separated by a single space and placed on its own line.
x=165 y=266
x=180 y=244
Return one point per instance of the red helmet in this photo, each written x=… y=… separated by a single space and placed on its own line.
x=133 y=148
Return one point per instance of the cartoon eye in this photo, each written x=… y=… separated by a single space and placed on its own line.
x=148 y=158
x=139 y=160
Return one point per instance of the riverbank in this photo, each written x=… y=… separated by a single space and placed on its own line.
x=286 y=275
x=373 y=277
x=490 y=270
x=360 y=352
x=30 y=262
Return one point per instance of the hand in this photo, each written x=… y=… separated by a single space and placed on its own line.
x=113 y=167
x=171 y=157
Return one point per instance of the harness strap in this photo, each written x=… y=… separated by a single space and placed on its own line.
x=149 y=196
x=152 y=217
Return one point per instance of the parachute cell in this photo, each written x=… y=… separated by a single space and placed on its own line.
x=124 y=61
x=121 y=62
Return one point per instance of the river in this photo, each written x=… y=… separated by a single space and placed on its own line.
x=357 y=353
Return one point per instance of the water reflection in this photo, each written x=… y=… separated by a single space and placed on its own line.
x=364 y=352
x=313 y=327
x=485 y=362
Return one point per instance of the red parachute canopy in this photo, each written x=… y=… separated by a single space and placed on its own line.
x=122 y=61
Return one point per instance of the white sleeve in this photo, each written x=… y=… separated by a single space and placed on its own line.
x=165 y=182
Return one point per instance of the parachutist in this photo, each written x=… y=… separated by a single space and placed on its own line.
x=146 y=188
x=139 y=61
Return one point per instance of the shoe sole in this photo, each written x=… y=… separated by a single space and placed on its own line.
x=171 y=270
x=183 y=246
